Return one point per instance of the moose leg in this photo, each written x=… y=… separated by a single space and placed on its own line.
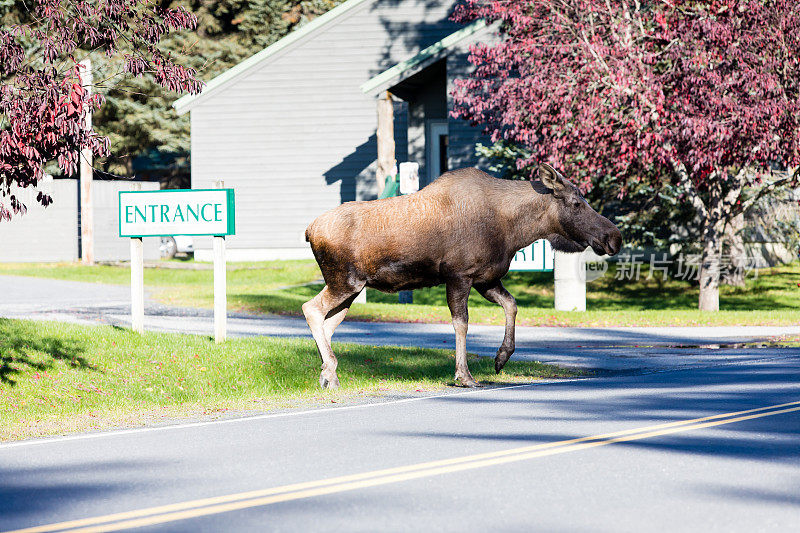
x=336 y=316
x=316 y=311
x=457 y=296
x=496 y=293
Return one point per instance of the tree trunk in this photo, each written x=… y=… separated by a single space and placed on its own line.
x=712 y=248
x=733 y=273
x=709 y=274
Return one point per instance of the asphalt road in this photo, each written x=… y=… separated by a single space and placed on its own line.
x=735 y=472
x=685 y=437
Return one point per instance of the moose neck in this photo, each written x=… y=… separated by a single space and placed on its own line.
x=528 y=210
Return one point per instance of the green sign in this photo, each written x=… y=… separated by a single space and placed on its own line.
x=536 y=257
x=177 y=212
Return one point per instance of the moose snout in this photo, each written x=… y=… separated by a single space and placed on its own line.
x=612 y=242
x=607 y=238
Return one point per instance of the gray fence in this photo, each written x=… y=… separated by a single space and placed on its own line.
x=52 y=233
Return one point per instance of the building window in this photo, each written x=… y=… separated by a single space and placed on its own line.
x=436 y=142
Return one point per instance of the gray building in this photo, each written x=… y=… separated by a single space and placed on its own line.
x=293 y=128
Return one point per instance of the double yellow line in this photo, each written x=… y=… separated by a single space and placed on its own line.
x=296 y=491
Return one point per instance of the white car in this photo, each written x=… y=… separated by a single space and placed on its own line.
x=177 y=244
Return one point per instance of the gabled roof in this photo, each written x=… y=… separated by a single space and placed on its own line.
x=416 y=63
x=184 y=104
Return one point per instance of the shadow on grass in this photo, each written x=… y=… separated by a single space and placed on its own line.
x=23 y=348
x=402 y=363
x=283 y=302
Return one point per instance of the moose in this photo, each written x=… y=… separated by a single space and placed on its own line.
x=462 y=231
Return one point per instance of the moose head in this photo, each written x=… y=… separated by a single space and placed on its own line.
x=574 y=225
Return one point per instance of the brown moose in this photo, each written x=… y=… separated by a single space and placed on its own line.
x=462 y=230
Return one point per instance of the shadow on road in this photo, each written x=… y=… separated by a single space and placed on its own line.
x=28 y=491
x=653 y=399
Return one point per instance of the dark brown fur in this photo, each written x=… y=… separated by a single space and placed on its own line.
x=462 y=231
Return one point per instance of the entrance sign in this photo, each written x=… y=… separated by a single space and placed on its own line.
x=537 y=257
x=176 y=212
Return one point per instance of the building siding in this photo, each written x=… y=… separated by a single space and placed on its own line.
x=462 y=136
x=272 y=134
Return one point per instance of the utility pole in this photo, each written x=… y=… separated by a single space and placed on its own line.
x=86 y=175
x=385 y=137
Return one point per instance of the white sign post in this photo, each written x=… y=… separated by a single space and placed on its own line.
x=137 y=285
x=137 y=280
x=177 y=212
x=220 y=291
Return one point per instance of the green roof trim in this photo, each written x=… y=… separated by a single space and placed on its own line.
x=185 y=103
x=428 y=55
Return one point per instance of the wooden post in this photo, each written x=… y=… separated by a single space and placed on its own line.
x=86 y=177
x=385 y=136
x=137 y=280
x=220 y=294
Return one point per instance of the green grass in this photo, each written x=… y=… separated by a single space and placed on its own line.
x=183 y=287
x=59 y=378
x=773 y=297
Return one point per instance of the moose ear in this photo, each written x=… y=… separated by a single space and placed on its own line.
x=551 y=179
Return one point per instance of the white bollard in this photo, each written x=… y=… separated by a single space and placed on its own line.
x=570 y=282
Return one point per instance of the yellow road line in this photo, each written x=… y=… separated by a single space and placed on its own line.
x=232 y=502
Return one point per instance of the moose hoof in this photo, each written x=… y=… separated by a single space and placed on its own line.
x=328 y=382
x=502 y=357
x=467 y=381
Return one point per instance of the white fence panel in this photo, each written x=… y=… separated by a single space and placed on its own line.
x=108 y=245
x=43 y=234
x=51 y=233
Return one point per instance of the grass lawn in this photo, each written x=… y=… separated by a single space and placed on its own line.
x=771 y=298
x=58 y=378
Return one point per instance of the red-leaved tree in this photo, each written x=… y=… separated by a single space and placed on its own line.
x=704 y=93
x=42 y=99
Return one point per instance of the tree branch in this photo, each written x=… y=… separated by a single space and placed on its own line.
x=747 y=204
x=686 y=185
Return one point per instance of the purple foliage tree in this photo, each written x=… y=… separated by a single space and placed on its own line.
x=42 y=99
x=703 y=93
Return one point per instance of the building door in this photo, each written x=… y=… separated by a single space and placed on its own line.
x=436 y=144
